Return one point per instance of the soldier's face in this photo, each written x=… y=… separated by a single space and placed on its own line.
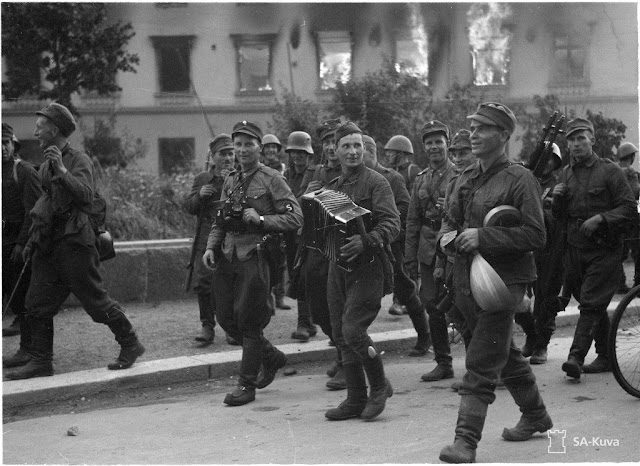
x=7 y=149
x=436 y=148
x=369 y=155
x=223 y=159
x=271 y=152
x=44 y=132
x=350 y=150
x=329 y=149
x=299 y=158
x=391 y=158
x=486 y=139
x=581 y=145
x=461 y=158
x=247 y=149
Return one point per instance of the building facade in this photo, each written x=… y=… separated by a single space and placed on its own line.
x=204 y=66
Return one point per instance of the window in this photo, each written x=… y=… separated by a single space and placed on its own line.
x=173 y=56
x=490 y=40
x=569 y=59
x=176 y=154
x=253 y=58
x=412 y=57
x=334 y=57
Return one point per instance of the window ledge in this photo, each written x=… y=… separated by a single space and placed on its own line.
x=570 y=88
x=255 y=93
x=93 y=100
x=173 y=98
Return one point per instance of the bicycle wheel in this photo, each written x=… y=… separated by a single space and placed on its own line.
x=624 y=342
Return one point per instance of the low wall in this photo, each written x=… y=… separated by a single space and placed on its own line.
x=147 y=271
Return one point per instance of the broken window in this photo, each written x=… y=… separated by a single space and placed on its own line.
x=253 y=54
x=490 y=40
x=334 y=58
x=412 y=49
x=173 y=56
x=570 y=56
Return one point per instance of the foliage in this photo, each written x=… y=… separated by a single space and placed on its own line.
x=70 y=44
x=609 y=133
x=112 y=148
x=144 y=206
x=533 y=124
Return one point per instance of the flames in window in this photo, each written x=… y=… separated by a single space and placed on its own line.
x=490 y=42
x=412 y=54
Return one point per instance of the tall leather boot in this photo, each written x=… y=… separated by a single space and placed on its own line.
x=22 y=356
x=338 y=380
x=356 y=399
x=252 y=357
x=381 y=388
x=582 y=339
x=41 y=350
x=471 y=416
x=441 y=347
x=304 y=322
x=420 y=321
x=130 y=346
x=539 y=355
x=528 y=324
x=534 y=413
x=207 y=317
x=602 y=362
x=272 y=360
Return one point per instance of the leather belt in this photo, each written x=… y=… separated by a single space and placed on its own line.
x=433 y=224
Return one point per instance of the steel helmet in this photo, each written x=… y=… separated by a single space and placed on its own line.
x=299 y=140
x=271 y=139
x=401 y=143
x=626 y=149
x=555 y=150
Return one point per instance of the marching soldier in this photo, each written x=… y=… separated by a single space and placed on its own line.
x=398 y=153
x=257 y=202
x=593 y=194
x=423 y=223
x=354 y=297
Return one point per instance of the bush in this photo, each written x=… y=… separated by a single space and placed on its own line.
x=142 y=206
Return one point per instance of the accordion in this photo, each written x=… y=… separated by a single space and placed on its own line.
x=330 y=217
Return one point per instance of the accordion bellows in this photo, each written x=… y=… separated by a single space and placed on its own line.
x=330 y=217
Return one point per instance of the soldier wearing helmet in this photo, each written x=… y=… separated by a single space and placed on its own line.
x=271 y=148
x=398 y=153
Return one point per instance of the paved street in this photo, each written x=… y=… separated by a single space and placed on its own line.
x=286 y=423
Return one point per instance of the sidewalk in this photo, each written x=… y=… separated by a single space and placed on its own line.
x=222 y=363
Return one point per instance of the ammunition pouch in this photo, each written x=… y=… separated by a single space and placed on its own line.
x=104 y=245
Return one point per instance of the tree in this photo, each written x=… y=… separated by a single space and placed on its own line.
x=69 y=44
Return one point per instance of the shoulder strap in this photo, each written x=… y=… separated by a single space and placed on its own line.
x=16 y=162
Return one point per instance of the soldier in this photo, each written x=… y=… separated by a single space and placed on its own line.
x=625 y=156
x=271 y=148
x=257 y=202
x=63 y=243
x=404 y=286
x=202 y=201
x=594 y=195
x=423 y=223
x=20 y=190
x=354 y=297
x=493 y=181
x=398 y=154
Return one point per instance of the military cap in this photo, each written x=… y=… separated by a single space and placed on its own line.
x=327 y=128
x=60 y=116
x=345 y=129
x=495 y=114
x=626 y=149
x=7 y=132
x=248 y=128
x=433 y=127
x=368 y=139
x=221 y=141
x=271 y=139
x=461 y=140
x=579 y=124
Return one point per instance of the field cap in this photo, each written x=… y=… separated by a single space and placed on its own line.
x=60 y=116
x=495 y=114
x=220 y=142
x=579 y=124
x=433 y=127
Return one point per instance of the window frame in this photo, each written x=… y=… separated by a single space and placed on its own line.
x=332 y=37
x=572 y=44
x=240 y=40
x=160 y=42
x=403 y=36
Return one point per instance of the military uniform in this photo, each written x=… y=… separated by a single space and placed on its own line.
x=409 y=172
x=241 y=277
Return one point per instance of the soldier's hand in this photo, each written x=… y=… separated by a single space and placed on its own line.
x=208 y=259
x=16 y=254
x=225 y=172
x=352 y=248
x=314 y=185
x=54 y=155
x=468 y=241
x=207 y=190
x=560 y=189
x=591 y=225
x=438 y=274
x=251 y=215
x=412 y=269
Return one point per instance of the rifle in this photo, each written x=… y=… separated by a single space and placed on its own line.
x=194 y=250
x=15 y=288
x=540 y=155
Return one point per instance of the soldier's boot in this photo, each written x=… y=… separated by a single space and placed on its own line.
x=527 y=322
x=397 y=309
x=338 y=380
x=582 y=339
x=130 y=347
x=471 y=416
x=22 y=356
x=602 y=362
x=441 y=346
x=535 y=417
x=252 y=358
x=381 y=388
x=40 y=349
x=539 y=355
x=356 y=399
x=420 y=321
x=207 y=317
x=302 y=332
x=14 y=328
x=272 y=361
x=337 y=362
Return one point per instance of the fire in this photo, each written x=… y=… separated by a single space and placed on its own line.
x=489 y=42
x=420 y=39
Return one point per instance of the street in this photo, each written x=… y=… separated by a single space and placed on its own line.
x=286 y=424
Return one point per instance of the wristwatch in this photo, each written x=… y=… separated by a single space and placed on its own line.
x=262 y=220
